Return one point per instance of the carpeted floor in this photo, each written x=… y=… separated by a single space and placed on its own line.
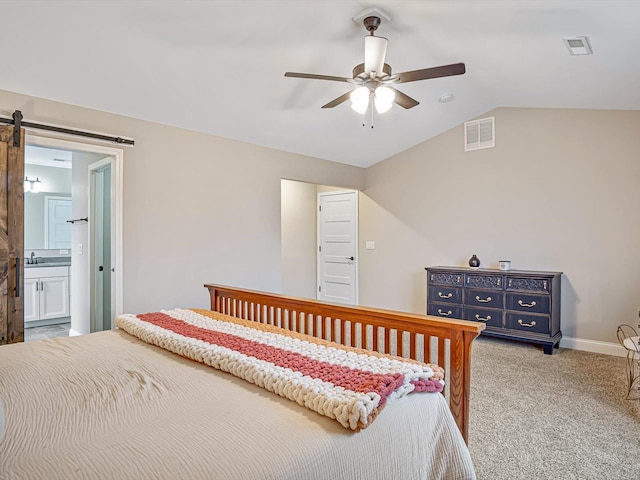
x=563 y=416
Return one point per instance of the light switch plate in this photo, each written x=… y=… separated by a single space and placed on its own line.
x=80 y=248
x=370 y=245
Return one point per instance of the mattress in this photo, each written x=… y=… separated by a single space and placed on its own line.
x=107 y=405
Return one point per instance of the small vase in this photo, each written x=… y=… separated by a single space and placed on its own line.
x=474 y=262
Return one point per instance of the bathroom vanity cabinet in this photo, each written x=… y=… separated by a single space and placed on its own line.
x=46 y=294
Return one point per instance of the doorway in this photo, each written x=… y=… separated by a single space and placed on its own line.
x=299 y=239
x=95 y=296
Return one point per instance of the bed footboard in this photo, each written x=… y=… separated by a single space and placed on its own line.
x=420 y=337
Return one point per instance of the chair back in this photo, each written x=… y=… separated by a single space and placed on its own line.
x=628 y=338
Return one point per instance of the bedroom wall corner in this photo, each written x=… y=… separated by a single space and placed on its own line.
x=558 y=192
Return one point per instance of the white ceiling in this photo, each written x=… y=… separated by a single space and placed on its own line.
x=217 y=66
x=47 y=157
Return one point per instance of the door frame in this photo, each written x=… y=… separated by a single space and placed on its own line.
x=318 y=241
x=117 y=176
x=94 y=228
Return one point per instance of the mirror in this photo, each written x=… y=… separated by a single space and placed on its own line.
x=46 y=212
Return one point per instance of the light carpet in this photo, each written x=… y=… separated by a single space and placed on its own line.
x=560 y=416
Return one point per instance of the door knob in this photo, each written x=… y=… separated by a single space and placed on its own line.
x=100 y=268
x=350 y=258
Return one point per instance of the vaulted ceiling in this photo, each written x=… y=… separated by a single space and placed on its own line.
x=217 y=66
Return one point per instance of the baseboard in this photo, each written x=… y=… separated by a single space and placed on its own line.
x=74 y=333
x=46 y=323
x=594 y=346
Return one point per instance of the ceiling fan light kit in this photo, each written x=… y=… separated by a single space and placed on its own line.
x=373 y=78
x=360 y=100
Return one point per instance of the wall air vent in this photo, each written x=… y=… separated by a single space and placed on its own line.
x=479 y=134
x=578 y=45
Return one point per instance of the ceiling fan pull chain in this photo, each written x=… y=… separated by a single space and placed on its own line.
x=371 y=108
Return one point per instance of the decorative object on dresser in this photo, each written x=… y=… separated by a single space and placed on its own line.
x=505 y=265
x=515 y=304
x=474 y=262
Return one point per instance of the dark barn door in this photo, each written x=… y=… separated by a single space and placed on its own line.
x=11 y=236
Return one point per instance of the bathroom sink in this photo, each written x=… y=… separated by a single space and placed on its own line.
x=50 y=262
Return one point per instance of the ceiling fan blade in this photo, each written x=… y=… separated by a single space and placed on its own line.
x=434 y=72
x=338 y=101
x=317 y=77
x=375 y=50
x=404 y=100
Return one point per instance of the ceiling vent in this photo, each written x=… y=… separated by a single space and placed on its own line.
x=578 y=45
x=479 y=134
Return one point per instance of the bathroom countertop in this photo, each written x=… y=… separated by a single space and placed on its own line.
x=49 y=262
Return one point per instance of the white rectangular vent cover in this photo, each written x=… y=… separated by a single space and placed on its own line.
x=479 y=134
x=578 y=45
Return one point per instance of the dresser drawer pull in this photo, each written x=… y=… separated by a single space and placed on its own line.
x=483 y=300
x=486 y=319
x=532 y=324
x=444 y=314
x=448 y=295
x=528 y=305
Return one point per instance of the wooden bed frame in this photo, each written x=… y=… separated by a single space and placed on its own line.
x=420 y=337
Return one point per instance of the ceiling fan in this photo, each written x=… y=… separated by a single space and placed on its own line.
x=374 y=77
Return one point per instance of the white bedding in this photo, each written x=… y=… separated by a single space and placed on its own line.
x=107 y=405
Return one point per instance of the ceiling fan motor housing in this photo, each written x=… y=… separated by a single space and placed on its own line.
x=359 y=73
x=371 y=23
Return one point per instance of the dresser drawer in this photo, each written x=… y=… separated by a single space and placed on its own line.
x=530 y=284
x=488 y=316
x=528 y=303
x=444 y=294
x=483 y=298
x=480 y=280
x=529 y=323
x=443 y=310
x=445 y=278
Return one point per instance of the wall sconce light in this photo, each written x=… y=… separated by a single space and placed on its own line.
x=32 y=185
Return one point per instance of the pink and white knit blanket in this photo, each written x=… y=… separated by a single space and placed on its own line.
x=340 y=382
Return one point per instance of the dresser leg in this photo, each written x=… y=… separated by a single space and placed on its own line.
x=548 y=349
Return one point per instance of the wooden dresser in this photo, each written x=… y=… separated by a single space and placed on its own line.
x=515 y=304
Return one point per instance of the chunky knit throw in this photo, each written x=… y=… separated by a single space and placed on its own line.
x=344 y=383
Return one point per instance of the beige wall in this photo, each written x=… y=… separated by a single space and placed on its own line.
x=299 y=224
x=80 y=290
x=558 y=192
x=197 y=208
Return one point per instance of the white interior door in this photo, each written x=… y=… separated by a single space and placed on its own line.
x=102 y=245
x=338 y=247
x=97 y=250
x=57 y=229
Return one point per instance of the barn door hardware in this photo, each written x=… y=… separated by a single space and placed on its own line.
x=17 y=123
